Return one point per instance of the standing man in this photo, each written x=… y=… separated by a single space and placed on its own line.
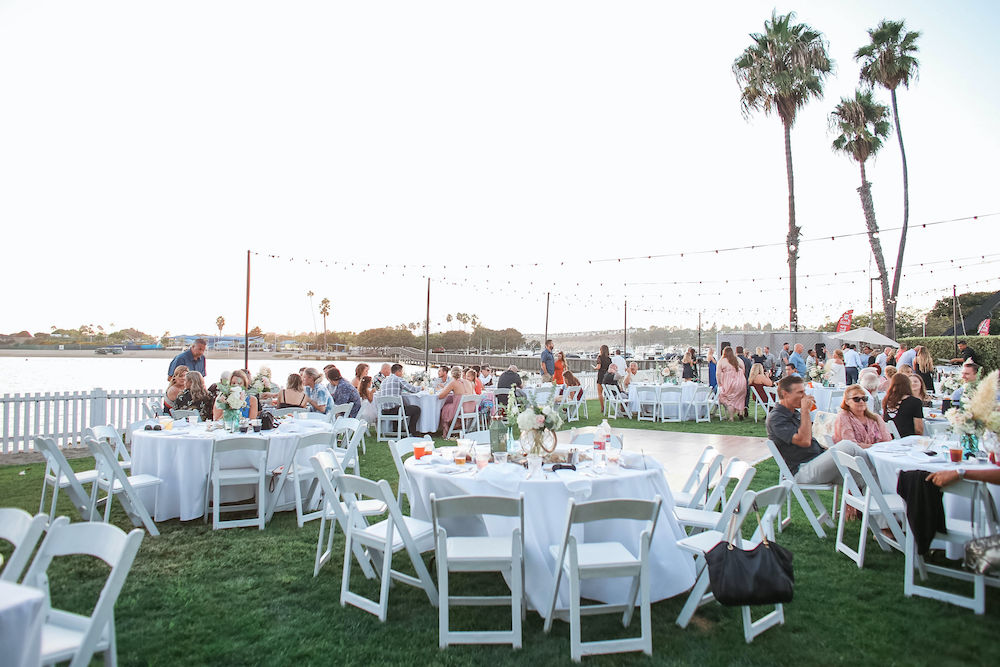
x=968 y=354
x=850 y=364
x=798 y=361
x=769 y=362
x=395 y=385
x=882 y=359
x=783 y=357
x=618 y=360
x=906 y=356
x=193 y=358
x=548 y=361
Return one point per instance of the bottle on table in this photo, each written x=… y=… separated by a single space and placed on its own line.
x=602 y=436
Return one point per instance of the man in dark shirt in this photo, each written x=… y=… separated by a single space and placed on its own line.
x=193 y=358
x=967 y=354
x=509 y=379
x=791 y=433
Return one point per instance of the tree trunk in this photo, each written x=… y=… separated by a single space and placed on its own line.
x=890 y=307
x=793 y=236
x=865 y=191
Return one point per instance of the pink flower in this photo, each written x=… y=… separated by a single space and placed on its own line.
x=541 y=420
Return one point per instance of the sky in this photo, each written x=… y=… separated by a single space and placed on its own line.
x=505 y=150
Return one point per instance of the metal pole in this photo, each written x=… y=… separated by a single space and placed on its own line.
x=699 y=333
x=625 y=332
x=427 y=329
x=246 y=330
x=954 y=315
x=546 y=337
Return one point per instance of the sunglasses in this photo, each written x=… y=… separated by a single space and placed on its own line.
x=858 y=399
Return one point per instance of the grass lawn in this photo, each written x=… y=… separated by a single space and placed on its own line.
x=242 y=596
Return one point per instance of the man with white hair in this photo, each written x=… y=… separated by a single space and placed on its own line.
x=797 y=360
x=382 y=374
x=509 y=379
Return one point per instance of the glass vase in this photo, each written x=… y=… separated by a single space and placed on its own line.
x=231 y=418
x=970 y=445
x=538 y=442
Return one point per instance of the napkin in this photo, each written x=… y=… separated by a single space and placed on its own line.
x=579 y=487
x=504 y=476
x=635 y=461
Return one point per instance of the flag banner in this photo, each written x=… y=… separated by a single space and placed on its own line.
x=845 y=322
x=984 y=327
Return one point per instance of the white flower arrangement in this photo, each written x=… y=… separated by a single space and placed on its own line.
x=262 y=381
x=816 y=372
x=537 y=417
x=951 y=383
x=418 y=378
x=978 y=411
x=230 y=397
x=671 y=370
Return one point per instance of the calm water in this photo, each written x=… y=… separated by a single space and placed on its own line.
x=46 y=374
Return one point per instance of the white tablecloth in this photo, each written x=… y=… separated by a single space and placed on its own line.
x=430 y=411
x=823 y=396
x=688 y=391
x=672 y=570
x=22 y=611
x=887 y=460
x=182 y=458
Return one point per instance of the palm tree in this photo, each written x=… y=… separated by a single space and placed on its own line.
x=448 y=319
x=889 y=61
x=324 y=310
x=311 y=294
x=220 y=322
x=780 y=72
x=863 y=126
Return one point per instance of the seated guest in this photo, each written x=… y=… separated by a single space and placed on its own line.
x=368 y=413
x=811 y=359
x=902 y=407
x=919 y=391
x=176 y=386
x=240 y=378
x=855 y=422
x=791 y=371
x=571 y=380
x=474 y=378
x=360 y=371
x=213 y=388
x=317 y=397
x=905 y=369
x=452 y=393
x=869 y=381
x=442 y=378
x=343 y=392
x=789 y=426
x=385 y=372
x=630 y=374
x=970 y=372
x=612 y=376
x=883 y=382
x=196 y=397
x=486 y=376
x=758 y=380
x=509 y=379
x=294 y=395
x=689 y=365
x=395 y=385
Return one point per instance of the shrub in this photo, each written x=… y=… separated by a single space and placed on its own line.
x=943 y=347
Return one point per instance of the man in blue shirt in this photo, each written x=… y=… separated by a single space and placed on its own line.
x=797 y=360
x=548 y=362
x=343 y=392
x=193 y=358
x=850 y=364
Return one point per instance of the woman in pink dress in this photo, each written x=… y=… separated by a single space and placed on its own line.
x=452 y=392
x=732 y=383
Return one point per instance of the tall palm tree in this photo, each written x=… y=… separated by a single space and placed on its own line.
x=324 y=310
x=889 y=61
x=312 y=309
x=863 y=126
x=220 y=322
x=780 y=72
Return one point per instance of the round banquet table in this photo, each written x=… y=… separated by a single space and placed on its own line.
x=545 y=504
x=889 y=458
x=823 y=396
x=688 y=391
x=22 y=615
x=430 y=410
x=182 y=458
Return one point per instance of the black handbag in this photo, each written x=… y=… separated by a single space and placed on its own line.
x=267 y=421
x=762 y=575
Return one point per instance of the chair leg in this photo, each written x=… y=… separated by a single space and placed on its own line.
x=516 y=598
x=442 y=567
x=575 y=646
x=319 y=544
x=697 y=595
x=645 y=610
x=383 y=595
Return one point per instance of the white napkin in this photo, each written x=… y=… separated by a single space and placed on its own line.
x=635 y=461
x=504 y=476
x=580 y=487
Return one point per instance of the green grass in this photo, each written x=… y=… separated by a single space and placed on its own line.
x=242 y=596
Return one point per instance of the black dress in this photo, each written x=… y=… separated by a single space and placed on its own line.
x=689 y=371
x=909 y=408
x=603 y=363
x=204 y=406
x=925 y=376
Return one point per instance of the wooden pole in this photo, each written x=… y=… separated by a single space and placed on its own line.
x=546 y=337
x=246 y=330
x=427 y=329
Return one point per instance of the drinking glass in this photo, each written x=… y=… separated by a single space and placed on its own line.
x=500 y=457
x=534 y=464
x=482 y=460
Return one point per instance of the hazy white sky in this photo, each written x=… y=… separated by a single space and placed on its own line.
x=146 y=146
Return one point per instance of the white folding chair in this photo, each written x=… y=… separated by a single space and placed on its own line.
x=70 y=636
x=480 y=554
x=701 y=543
x=336 y=511
x=281 y=412
x=893 y=429
x=706 y=518
x=615 y=401
x=872 y=503
x=298 y=471
x=499 y=404
x=466 y=416
x=602 y=560
x=648 y=399
x=59 y=475
x=22 y=530
x=836 y=396
x=387 y=537
x=694 y=493
x=349 y=433
x=395 y=417
x=252 y=470
x=111 y=435
x=184 y=414
x=341 y=410
x=478 y=437
x=572 y=401
x=114 y=482
x=671 y=404
x=701 y=405
x=401 y=449
x=152 y=409
x=815 y=516
x=958 y=532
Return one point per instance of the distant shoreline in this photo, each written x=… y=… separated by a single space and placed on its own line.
x=170 y=354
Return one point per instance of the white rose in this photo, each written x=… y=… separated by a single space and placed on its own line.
x=546 y=410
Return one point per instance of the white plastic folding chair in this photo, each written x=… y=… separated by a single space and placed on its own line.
x=466 y=416
x=571 y=403
x=888 y=509
x=22 y=530
x=816 y=516
x=480 y=554
x=501 y=403
x=336 y=511
x=110 y=434
x=694 y=493
x=389 y=410
x=700 y=406
x=184 y=414
x=251 y=471
x=982 y=522
x=602 y=560
x=151 y=409
x=70 y=636
x=615 y=401
x=730 y=526
x=648 y=403
x=401 y=450
x=338 y=411
x=387 y=537
x=282 y=412
x=113 y=481
x=59 y=475
x=836 y=396
x=478 y=437
x=671 y=404
x=706 y=517
x=298 y=471
x=893 y=429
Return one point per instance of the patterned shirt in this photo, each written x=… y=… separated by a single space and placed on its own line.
x=319 y=394
x=393 y=385
x=344 y=393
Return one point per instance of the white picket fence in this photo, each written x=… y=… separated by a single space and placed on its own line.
x=63 y=416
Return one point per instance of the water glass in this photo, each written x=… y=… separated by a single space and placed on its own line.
x=500 y=457
x=534 y=464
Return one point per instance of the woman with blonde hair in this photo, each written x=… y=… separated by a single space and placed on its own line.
x=293 y=395
x=360 y=371
x=195 y=396
x=174 y=389
x=758 y=380
x=689 y=366
x=452 y=393
x=241 y=378
x=855 y=422
x=883 y=382
x=732 y=383
x=923 y=366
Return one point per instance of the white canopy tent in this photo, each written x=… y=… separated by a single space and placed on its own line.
x=864 y=335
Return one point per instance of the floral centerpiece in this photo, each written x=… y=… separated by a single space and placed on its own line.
x=951 y=383
x=815 y=373
x=977 y=412
x=231 y=399
x=537 y=424
x=262 y=381
x=671 y=372
x=419 y=378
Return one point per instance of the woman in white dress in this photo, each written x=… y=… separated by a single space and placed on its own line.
x=367 y=393
x=836 y=372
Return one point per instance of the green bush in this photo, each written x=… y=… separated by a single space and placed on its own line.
x=943 y=347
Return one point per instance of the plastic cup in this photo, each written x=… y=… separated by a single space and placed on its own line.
x=482 y=460
x=500 y=457
x=418 y=451
x=460 y=457
x=955 y=454
x=534 y=464
x=193 y=419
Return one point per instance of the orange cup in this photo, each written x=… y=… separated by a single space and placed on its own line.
x=956 y=455
x=460 y=458
x=418 y=451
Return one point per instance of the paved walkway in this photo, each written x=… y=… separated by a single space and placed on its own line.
x=678 y=452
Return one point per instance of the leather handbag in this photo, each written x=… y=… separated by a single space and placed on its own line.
x=762 y=575
x=982 y=554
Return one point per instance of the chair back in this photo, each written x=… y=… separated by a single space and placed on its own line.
x=57 y=466
x=184 y=414
x=708 y=466
x=111 y=435
x=240 y=444
x=738 y=471
x=386 y=402
x=446 y=508
x=341 y=410
x=282 y=412
x=479 y=437
x=22 y=530
x=401 y=450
